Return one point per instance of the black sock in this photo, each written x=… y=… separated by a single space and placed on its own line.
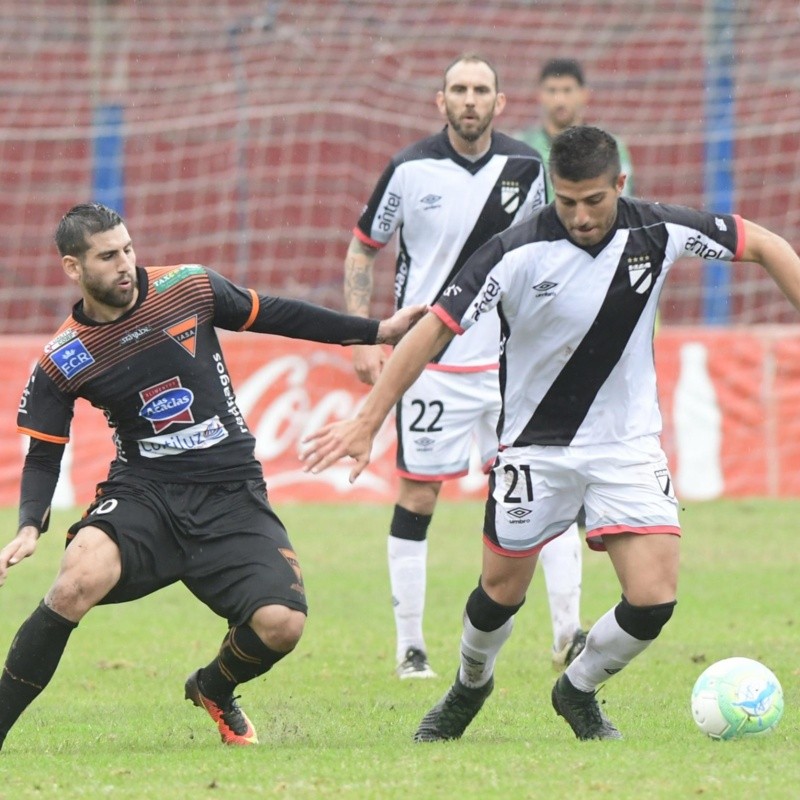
x=242 y=657
x=31 y=662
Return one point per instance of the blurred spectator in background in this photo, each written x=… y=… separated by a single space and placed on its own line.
x=563 y=95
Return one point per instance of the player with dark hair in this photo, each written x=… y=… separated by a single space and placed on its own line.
x=576 y=287
x=563 y=96
x=445 y=196
x=185 y=498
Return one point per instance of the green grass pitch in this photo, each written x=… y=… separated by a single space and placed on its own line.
x=335 y=723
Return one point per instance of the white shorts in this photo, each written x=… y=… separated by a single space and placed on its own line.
x=535 y=493
x=440 y=416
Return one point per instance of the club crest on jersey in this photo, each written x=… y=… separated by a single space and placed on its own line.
x=510 y=196
x=72 y=358
x=664 y=481
x=640 y=271
x=184 y=333
x=166 y=403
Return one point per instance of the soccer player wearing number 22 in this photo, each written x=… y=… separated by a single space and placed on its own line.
x=185 y=498
x=444 y=197
x=577 y=288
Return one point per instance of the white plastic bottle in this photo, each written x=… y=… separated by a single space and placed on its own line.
x=697 y=421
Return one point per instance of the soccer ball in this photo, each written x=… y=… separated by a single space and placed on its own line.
x=736 y=697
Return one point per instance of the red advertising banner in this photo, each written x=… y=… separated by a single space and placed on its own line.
x=727 y=397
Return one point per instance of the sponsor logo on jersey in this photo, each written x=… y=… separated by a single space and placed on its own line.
x=134 y=336
x=389 y=211
x=176 y=276
x=543 y=289
x=166 y=403
x=431 y=201
x=510 y=196
x=484 y=302
x=640 y=272
x=198 y=437
x=65 y=336
x=700 y=246
x=452 y=290
x=424 y=444
x=184 y=333
x=72 y=358
x=518 y=515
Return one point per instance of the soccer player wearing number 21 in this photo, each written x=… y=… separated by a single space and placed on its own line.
x=445 y=196
x=576 y=287
x=185 y=498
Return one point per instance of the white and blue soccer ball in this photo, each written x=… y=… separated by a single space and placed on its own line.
x=737 y=697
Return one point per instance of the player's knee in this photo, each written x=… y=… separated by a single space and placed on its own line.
x=487 y=615
x=409 y=525
x=643 y=622
x=278 y=627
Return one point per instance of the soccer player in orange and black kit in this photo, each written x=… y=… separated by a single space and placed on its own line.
x=185 y=498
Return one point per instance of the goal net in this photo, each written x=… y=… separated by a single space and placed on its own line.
x=247 y=135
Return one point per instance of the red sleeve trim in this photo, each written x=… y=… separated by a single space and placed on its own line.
x=739 y=237
x=253 y=311
x=359 y=234
x=447 y=319
x=45 y=437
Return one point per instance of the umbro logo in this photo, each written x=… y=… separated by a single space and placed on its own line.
x=431 y=201
x=424 y=441
x=543 y=289
x=519 y=513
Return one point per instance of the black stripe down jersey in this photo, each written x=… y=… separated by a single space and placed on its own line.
x=577 y=323
x=443 y=208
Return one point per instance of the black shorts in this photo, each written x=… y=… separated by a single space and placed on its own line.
x=222 y=540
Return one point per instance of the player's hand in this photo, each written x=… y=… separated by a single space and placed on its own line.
x=391 y=330
x=349 y=437
x=368 y=361
x=20 y=547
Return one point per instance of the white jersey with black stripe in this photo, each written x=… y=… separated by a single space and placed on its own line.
x=444 y=207
x=577 y=323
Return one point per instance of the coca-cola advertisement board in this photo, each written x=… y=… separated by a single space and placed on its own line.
x=728 y=401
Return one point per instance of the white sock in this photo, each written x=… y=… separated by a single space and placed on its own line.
x=479 y=651
x=407 y=572
x=608 y=649
x=560 y=560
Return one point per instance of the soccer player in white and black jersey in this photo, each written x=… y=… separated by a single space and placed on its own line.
x=576 y=288
x=444 y=197
x=185 y=498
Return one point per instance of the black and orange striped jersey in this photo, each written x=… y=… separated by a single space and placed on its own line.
x=159 y=375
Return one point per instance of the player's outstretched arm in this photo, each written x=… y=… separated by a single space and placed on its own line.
x=19 y=548
x=776 y=255
x=354 y=437
x=391 y=330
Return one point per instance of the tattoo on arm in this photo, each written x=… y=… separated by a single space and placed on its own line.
x=358 y=278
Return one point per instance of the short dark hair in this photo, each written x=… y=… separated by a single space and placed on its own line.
x=559 y=67
x=584 y=152
x=81 y=222
x=471 y=58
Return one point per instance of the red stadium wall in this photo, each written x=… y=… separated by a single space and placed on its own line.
x=746 y=416
x=251 y=142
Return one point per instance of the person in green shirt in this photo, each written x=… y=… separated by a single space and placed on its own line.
x=563 y=96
